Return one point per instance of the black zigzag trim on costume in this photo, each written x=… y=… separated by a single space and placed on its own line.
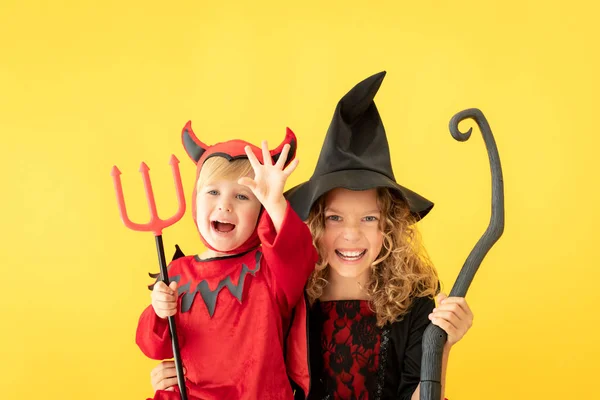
x=210 y=296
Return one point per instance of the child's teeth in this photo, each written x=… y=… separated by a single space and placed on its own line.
x=351 y=254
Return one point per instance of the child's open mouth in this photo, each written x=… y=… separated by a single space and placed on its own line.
x=222 y=227
x=347 y=255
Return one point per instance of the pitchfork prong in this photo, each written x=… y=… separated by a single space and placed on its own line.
x=116 y=174
x=179 y=187
x=144 y=170
x=155 y=225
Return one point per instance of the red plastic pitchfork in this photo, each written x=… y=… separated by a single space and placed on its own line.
x=156 y=225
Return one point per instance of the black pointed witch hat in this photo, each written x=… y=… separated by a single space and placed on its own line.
x=355 y=154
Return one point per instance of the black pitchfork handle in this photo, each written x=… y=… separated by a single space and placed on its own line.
x=165 y=278
x=434 y=337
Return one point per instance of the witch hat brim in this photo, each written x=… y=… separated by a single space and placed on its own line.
x=355 y=155
x=303 y=196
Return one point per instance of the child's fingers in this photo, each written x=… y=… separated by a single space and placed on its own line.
x=164 y=305
x=164 y=312
x=459 y=306
x=163 y=383
x=291 y=167
x=447 y=316
x=252 y=158
x=441 y=297
x=164 y=299
x=164 y=296
x=250 y=183
x=451 y=309
x=283 y=156
x=266 y=154
x=165 y=369
x=461 y=301
x=454 y=316
x=446 y=325
x=164 y=378
x=161 y=287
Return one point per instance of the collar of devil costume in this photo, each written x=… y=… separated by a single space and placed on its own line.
x=231 y=150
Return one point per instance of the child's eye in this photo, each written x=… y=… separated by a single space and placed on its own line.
x=333 y=218
x=212 y=192
x=242 y=197
x=371 y=218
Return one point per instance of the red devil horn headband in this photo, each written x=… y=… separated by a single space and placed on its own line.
x=193 y=146
x=233 y=149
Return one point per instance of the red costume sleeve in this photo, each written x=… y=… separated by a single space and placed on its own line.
x=153 y=336
x=290 y=256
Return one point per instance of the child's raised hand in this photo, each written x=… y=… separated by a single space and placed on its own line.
x=164 y=299
x=453 y=315
x=269 y=180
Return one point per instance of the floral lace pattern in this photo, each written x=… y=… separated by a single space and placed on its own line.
x=351 y=344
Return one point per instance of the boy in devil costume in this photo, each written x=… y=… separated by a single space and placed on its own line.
x=234 y=302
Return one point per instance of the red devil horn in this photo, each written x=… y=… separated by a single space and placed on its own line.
x=290 y=139
x=193 y=146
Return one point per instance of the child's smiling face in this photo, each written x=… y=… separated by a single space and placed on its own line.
x=226 y=213
x=352 y=239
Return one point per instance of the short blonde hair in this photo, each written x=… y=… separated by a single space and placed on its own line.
x=402 y=270
x=217 y=168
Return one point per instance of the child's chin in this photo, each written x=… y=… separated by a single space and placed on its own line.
x=353 y=271
x=223 y=245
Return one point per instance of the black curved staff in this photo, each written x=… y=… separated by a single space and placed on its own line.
x=434 y=337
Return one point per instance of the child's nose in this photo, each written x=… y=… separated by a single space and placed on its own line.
x=351 y=233
x=224 y=206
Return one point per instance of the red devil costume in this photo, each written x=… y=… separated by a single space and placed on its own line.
x=234 y=311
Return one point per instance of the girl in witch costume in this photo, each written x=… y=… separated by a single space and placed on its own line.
x=371 y=295
x=233 y=302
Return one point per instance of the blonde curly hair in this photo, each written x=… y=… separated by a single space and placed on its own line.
x=400 y=273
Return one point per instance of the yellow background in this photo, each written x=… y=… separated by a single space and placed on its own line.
x=85 y=85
